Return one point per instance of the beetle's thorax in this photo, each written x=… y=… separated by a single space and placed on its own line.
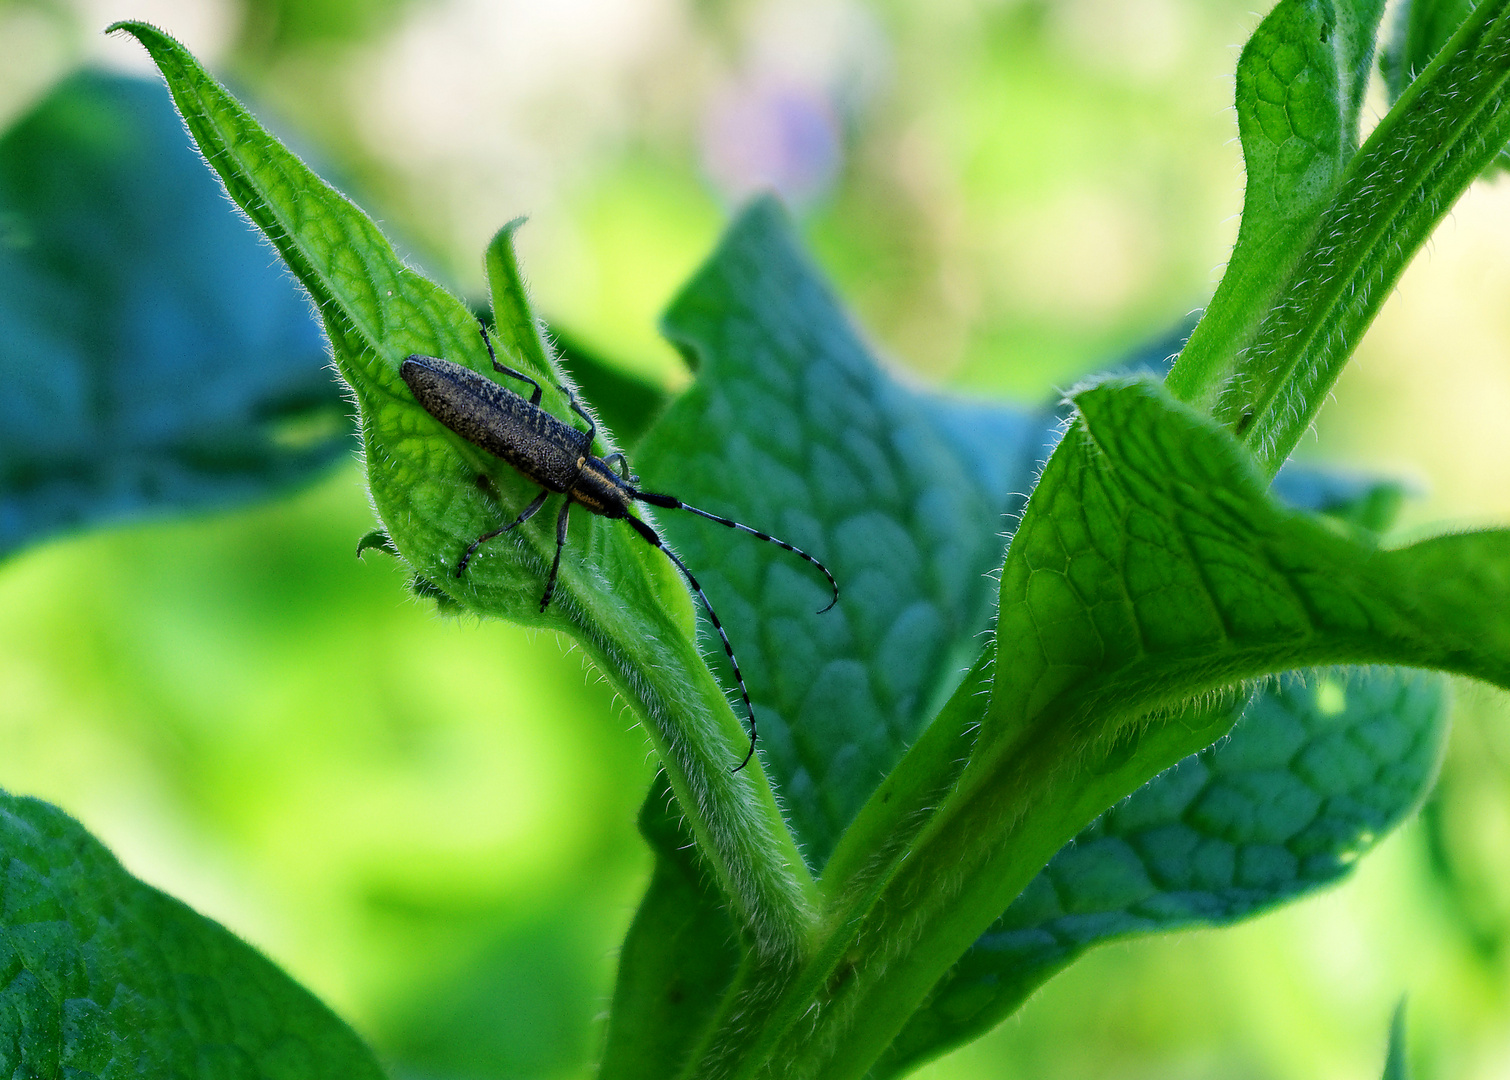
x=600 y=489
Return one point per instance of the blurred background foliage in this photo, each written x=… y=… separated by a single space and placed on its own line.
x=431 y=822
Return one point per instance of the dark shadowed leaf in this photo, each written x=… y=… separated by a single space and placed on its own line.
x=155 y=356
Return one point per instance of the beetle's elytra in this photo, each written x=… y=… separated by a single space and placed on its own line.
x=559 y=458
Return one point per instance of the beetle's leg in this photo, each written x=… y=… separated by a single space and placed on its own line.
x=505 y=370
x=524 y=515
x=550 y=584
x=623 y=467
x=576 y=407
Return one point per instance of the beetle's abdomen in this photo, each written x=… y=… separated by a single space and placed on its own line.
x=498 y=420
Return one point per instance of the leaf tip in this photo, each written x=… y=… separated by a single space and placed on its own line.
x=134 y=27
x=510 y=227
x=157 y=42
x=379 y=539
x=1097 y=387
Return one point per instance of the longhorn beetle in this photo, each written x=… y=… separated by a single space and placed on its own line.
x=559 y=458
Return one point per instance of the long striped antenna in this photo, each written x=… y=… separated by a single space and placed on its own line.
x=670 y=502
x=655 y=541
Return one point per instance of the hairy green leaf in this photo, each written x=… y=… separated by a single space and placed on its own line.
x=101 y=975
x=1152 y=566
x=1314 y=774
x=1300 y=81
x=1446 y=128
x=152 y=359
x=436 y=493
x=1421 y=29
x=992 y=979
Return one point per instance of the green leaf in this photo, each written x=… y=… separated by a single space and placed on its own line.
x=655 y=951
x=101 y=975
x=153 y=361
x=786 y=331
x=794 y=429
x=1300 y=81
x=1151 y=566
x=378 y=539
x=991 y=980
x=1313 y=775
x=1151 y=569
x=436 y=493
